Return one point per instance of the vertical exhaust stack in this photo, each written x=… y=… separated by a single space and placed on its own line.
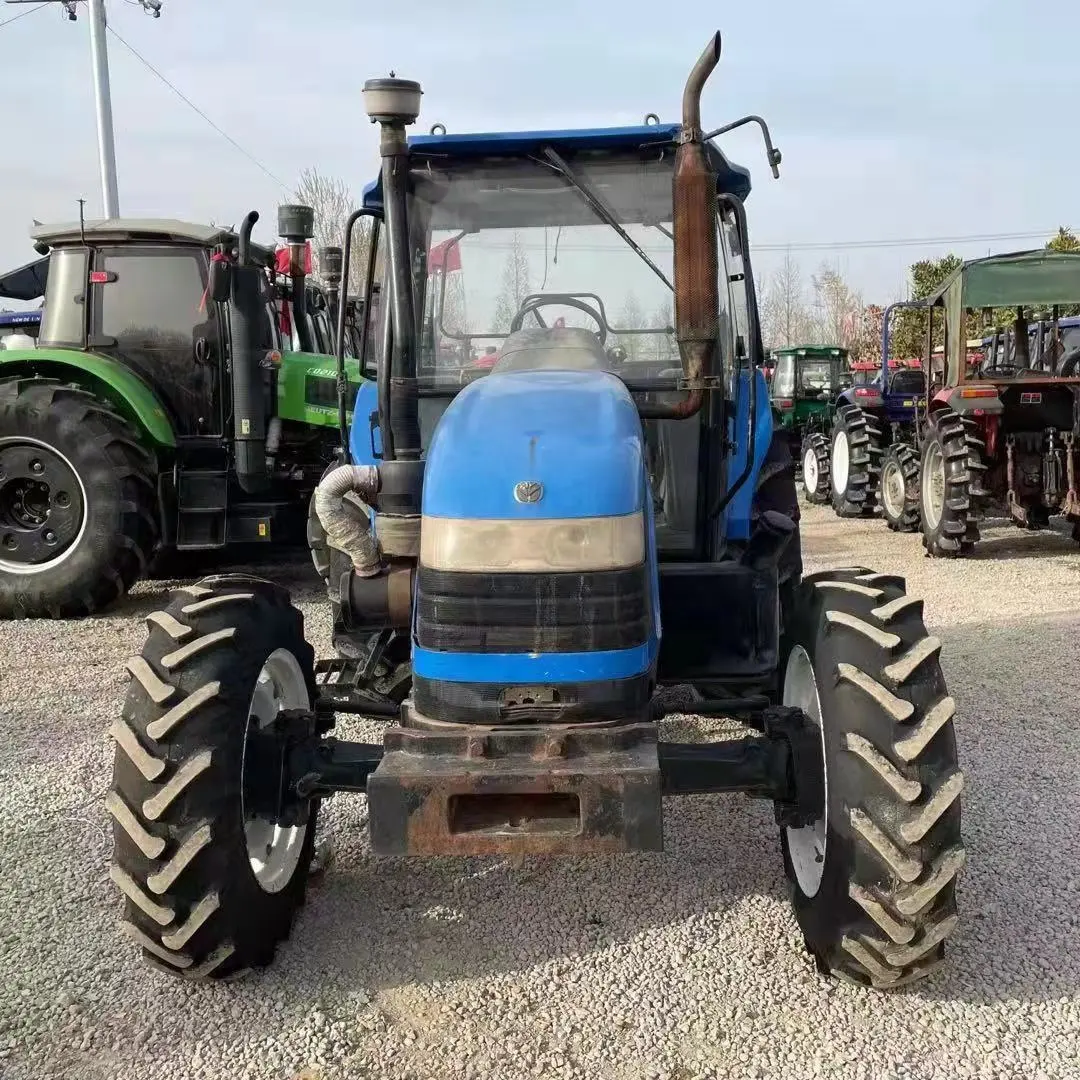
x=696 y=256
x=393 y=104
x=296 y=226
x=248 y=391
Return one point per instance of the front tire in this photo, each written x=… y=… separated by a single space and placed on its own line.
x=854 y=462
x=874 y=879
x=211 y=858
x=950 y=484
x=899 y=493
x=78 y=502
x=815 y=468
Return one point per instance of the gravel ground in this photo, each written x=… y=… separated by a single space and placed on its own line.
x=685 y=965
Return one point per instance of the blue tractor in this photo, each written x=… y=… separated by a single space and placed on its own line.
x=873 y=441
x=574 y=534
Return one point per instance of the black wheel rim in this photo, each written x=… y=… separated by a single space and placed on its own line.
x=42 y=506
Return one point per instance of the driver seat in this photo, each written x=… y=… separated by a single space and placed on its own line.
x=563 y=348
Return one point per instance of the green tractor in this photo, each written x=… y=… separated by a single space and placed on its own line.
x=806 y=382
x=160 y=411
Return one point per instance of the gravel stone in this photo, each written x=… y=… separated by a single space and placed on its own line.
x=681 y=966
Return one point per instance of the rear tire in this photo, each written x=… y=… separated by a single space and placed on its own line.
x=874 y=880
x=899 y=489
x=815 y=468
x=950 y=485
x=854 y=462
x=222 y=655
x=88 y=502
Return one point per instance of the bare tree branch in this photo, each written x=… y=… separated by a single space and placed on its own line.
x=333 y=202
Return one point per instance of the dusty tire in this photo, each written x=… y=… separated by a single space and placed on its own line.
x=950 y=485
x=815 y=468
x=854 y=462
x=97 y=499
x=899 y=488
x=877 y=907
x=194 y=902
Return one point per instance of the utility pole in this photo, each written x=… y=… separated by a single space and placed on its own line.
x=99 y=55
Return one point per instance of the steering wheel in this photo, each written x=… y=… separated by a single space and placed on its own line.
x=546 y=300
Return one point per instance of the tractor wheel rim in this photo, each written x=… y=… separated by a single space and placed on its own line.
x=893 y=489
x=274 y=849
x=839 y=465
x=806 y=844
x=42 y=506
x=933 y=486
x=810 y=471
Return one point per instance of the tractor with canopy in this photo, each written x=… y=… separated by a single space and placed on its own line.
x=598 y=530
x=1004 y=433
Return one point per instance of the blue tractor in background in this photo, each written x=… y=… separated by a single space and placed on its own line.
x=872 y=456
x=574 y=523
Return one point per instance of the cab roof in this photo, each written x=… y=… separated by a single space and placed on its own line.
x=732 y=179
x=139 y=230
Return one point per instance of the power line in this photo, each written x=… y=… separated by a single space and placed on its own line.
x=195 y=108
x=23 y=14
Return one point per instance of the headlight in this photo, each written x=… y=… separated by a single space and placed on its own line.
x=479 y=545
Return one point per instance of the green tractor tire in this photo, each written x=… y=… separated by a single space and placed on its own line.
x=79 y=516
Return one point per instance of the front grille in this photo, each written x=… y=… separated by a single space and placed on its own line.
x=527 y=613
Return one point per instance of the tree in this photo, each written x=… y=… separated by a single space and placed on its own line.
x=664 y=346
x=333 y=202
x=785 y=318
x=515 y=286
x=632 y=317
x=837 y=308
x=907 y=334
x=867 y=340
x=1064 y=240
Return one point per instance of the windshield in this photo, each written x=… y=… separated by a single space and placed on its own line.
x=521 y=243
x=815 y=374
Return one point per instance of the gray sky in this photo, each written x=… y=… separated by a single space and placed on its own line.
x=927 y=119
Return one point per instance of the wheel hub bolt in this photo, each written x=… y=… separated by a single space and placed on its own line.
x=50 y=537
x=36 y=466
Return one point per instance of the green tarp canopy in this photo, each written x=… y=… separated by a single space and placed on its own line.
x=1029 y=278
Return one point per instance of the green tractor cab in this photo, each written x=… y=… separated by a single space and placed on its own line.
x=806 y=381
x=160 y=411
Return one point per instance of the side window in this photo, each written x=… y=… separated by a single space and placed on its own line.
x=156 y=301
x=64 y=311
x=155 y=316
x=784 y=376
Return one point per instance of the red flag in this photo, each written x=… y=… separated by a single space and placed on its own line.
x=445 y=256
x=282 y=262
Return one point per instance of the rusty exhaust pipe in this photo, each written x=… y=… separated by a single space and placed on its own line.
x=696 y=256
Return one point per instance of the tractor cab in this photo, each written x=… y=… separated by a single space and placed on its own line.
x=806 y=375
x=555 y=248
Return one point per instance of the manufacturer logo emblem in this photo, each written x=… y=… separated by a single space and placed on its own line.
x=529 y=491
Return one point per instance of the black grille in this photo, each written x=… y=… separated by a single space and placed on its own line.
x=587 y=612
